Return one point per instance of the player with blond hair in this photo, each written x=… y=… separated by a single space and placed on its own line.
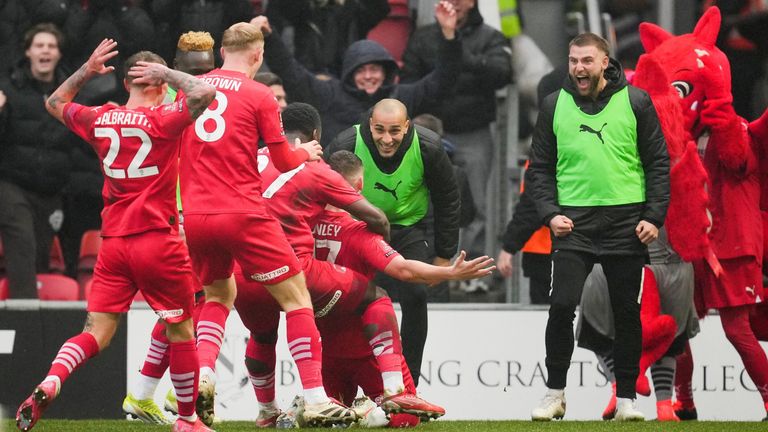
x=226 y=220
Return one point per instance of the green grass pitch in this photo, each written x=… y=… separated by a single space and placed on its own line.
x=448 y=426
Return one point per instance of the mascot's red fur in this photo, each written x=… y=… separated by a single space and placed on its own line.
x=708 y=142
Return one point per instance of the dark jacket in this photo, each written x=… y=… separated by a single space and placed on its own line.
x=339 y=102
x=486 y=66
x=525 y=221
x=129 y=25
x=34 y=146
x=322 y=30
x=438 y=177
x=174 y=17
x=606 y=229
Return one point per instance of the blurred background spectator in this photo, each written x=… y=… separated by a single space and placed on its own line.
x=469 y=107
x=744 y=39
x=34 y=160
x=276 y=85
x=369 y=74
x=89 y=22
x=318 y=32
x=174 y=17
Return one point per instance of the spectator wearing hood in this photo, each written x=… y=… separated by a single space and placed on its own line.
x=469 y=107
x=34 y=160
x=368 y=75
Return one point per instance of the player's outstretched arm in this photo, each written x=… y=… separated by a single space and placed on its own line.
x=370 y=214
x=419 y=272
x=199 y=94
x=95 y=65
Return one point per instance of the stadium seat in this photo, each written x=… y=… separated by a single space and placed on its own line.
x=3 y=289
x=394 y=30
x=56 y=287
x=90 y=244
x=56 y=263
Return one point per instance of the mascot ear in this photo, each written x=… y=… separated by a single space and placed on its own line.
x=650 y=76
x=708 y=27
x=652 y=36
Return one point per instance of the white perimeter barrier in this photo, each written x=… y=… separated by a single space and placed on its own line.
x=482 y=364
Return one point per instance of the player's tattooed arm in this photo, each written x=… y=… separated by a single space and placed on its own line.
x=69 y=88
x=199 y=94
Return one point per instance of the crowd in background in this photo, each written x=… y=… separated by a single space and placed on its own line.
x=50 y=181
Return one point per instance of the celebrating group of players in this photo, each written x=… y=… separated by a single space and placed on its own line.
x=249 y=218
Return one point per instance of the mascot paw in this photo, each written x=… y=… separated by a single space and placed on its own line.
x=642 y=386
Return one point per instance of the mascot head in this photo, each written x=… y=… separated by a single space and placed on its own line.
x=685 y=58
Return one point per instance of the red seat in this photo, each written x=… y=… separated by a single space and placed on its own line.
x=56 y=287
x=56 y=264
x=90 y=244
x=394 y=30
x=3 y=289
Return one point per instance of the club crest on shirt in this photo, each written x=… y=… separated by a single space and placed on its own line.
x=177 y=106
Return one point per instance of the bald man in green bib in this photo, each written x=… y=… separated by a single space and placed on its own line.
x=406 y=170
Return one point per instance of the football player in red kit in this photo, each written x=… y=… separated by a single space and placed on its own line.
x=226 y=220
x=138 y=145
x=296 y=198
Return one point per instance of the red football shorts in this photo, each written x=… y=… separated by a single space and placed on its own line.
x=255 y=240
x=153 y=262
x=740 y=283
x=333 y=288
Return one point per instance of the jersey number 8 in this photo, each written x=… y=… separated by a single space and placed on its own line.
x=215 y=115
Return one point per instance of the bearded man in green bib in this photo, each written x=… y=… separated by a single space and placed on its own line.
x=601 y=183
x=406 y=170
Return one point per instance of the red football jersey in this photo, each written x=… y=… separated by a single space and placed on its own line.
x=218 y=157
x=139 y=151
x=296 y=198
x=347 y=242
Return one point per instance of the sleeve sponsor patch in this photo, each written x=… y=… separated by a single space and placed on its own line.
x=177 y=106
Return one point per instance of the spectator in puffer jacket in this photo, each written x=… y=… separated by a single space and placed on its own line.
x=34 y=160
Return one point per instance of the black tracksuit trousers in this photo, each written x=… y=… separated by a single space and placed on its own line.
x=624 y=275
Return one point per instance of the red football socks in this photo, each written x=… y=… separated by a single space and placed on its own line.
x=72 y=354
x=184 y=375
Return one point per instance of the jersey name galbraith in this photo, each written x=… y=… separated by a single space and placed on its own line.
x=115 y=117
x=224 y=83
x=326 y=230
